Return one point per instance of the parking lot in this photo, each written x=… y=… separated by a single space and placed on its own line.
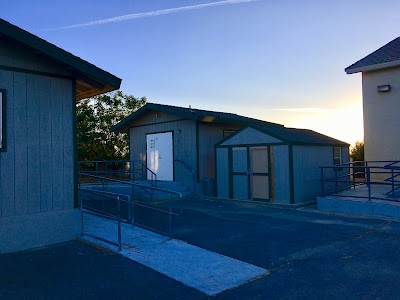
x=308 y=255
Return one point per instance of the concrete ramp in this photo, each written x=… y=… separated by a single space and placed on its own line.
x=206 y=271
x=373 y=208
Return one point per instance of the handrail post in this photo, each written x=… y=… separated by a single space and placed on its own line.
x=132 y=208
x=119 y=223
x=194 y=183
x=369 y=183
x=392 y=182
x=170 y=217
x=129 y=209
x=81 y=205
x=322 y=181
x=336 y=180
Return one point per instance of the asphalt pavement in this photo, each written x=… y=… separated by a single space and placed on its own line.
x=309 y=255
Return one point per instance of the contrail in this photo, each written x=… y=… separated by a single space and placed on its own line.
x=152 y=14
x=305 y=109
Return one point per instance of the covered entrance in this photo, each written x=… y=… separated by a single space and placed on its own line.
x=160 y=156
x=250 y=173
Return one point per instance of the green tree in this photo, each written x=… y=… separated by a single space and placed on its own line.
x=357 y=151
x=95 y=117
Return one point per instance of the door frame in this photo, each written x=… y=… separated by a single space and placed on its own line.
x=250 y=174
x=173 y=150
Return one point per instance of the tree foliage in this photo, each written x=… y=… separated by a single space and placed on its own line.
x=95 y=117
x=357 y=151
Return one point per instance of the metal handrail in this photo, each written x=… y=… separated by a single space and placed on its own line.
x=143 y=174
x=118 y=218
x=191 y=170
x=133 y=184
x=340 y=183
x=360 y=161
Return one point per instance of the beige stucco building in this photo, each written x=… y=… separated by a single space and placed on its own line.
x=381 y=101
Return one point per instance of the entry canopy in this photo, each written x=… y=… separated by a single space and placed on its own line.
x=90 y=80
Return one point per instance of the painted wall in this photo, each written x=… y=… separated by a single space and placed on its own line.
x=37 y=167
x=381 y=118
x=222 y=172
x=184 y=136
x=280 y=174
x=209 y=135
x=306 y=170
x=194 y=151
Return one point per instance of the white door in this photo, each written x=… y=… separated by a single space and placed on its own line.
x=160 y=156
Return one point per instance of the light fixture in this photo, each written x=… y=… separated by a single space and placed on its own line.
x=383 y=88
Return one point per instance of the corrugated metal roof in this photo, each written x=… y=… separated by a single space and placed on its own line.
x=384 y=57
x=189 y=113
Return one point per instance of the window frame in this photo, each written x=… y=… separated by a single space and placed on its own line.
x=2 y=120
x=340 y=157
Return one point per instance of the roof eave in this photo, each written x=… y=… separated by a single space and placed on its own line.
x=61 y=56
x=374 y=67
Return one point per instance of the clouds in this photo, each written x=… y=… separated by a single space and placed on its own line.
x=305 y=109
x=154 y=13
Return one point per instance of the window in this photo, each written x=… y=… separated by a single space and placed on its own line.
x=228 y=132
x=337 y=155
x=2 y=120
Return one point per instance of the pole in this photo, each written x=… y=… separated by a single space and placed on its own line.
x=170 y=217
x=322 y=181
x=369 y=183
x=119 y=223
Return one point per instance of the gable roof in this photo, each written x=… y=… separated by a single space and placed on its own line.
x=293 y=136
x=188 y=113
x=385 y=57
x=90 y=80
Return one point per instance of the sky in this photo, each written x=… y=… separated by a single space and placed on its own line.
x=279 y=61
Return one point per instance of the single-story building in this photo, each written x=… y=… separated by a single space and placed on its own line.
x=177 y=143
x=39 y=86
x=275 y=163
x=381 y=93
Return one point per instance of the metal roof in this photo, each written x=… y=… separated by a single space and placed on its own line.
x=385 y=57
x=293 y=136
x=91 y=80
x=191 y=114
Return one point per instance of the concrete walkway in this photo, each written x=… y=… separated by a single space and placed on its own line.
x=206 y=271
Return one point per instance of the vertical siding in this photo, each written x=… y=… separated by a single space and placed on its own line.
x=7 y=159
x=21 y=142
x=307 y=173
x=68 y=117
x=36 y=170
x=45 y=125
x=33 y=123
x=209 y=135
x=57 y=145
x=184 y=145
x=281 y=175
x=222 y=173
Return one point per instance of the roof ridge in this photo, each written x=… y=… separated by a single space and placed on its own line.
x=212 y=111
